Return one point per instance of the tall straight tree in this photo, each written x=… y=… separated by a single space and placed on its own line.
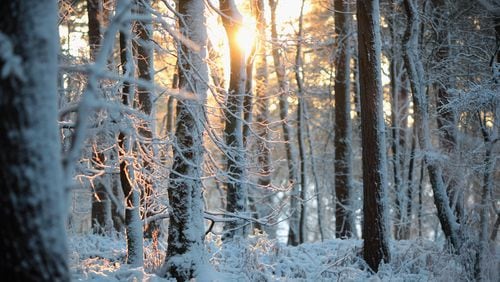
x=186 y=229
x=399 y=124
x=236 y=193
x=343 y=128
x=133 y=222
x=299 y=78
x=145 y=71
x=284 y=91
x=261 y=101
x=101 y=204
x=32 y=209
x=375 y=233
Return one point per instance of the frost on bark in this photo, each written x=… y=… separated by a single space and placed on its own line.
x=101 y=204
x=236 y=193
x=145 y=71
x=375 y=234
x=403 y=190
x=446 y=120
x=261 y=103
x=343 y=153
x=185 y=251
x=133 y=222
x=261 y=202
x=32 y=205
x=414 y=69
x=284 y=92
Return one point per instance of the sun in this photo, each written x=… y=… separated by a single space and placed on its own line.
x=245 y=37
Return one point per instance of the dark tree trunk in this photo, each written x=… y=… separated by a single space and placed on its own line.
x=145 y=71
x=446 y=120
x=299 y=78
x=375 y=234
x=236 y=193
x=133 y=222
x=343 y=153
x=101 y=204
x=32 y=205
x=185 y=252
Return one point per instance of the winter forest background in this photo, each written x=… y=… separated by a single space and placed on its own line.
x=292 y=140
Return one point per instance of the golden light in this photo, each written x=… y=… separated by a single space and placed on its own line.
x=246 y=36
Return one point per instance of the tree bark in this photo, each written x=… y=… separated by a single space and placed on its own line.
x=375 y=234
x=446 y=120
x=261 y=103
x=133 y=222
x=32 y=205
x=414 y=69
x=236 y=193
x=101 y=204
x=343 y=127
x=185 y=251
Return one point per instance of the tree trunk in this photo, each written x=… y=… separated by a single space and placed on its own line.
x=446 y=120
x=343 y=128
x=293 y=230
x=32 y=206
x=264 y=206
x=415 y=74
x=375 y=234
x=236 y=193
x=145 y=71
x=101 y=204
x=261 y=103
x=299 y=78
x=185 y=252
x=483 y=254
x=133 y=222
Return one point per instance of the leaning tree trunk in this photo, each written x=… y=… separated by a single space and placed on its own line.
x=236 y=193
x=446 y=120
x=185 y=251
x=32 y=205
x=375 y=233
x=415 y=74
x=343 y=128
x=293 y=234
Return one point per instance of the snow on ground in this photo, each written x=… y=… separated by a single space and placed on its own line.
x=99 y=258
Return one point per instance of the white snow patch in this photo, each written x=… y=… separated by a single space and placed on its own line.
x=258 y=258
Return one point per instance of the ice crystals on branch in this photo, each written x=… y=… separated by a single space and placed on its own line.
x=10 y=63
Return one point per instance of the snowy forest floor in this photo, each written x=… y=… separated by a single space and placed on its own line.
x=100 y=258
